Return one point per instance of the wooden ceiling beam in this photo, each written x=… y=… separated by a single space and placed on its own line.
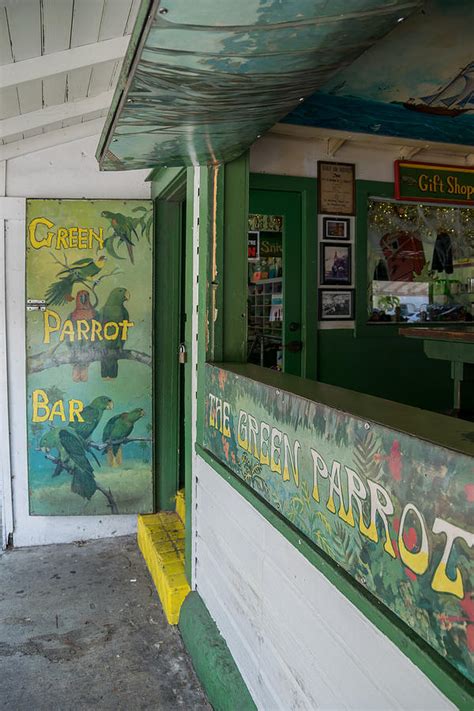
x=50 y=139
x=52 y=114
x=67 y=60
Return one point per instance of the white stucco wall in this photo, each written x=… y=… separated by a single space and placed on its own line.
x=298 y=642
x=67 y=171
x=286 y=155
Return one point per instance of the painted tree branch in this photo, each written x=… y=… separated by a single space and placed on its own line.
x=70 y=470
x=71 y=356
x=102 y=446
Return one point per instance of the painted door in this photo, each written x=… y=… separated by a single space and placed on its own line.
x=275 y=316
x=89 y=356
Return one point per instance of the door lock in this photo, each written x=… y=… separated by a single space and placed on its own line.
x=294 y=326
x=182 y=354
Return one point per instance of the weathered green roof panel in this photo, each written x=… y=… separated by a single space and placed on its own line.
x=202 y=80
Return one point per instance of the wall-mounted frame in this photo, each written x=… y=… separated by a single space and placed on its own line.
x=336 y=228
x=335 y=264
x=336 y=188
x=336 y=304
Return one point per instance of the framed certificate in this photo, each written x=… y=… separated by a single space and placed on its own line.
x=336 y=188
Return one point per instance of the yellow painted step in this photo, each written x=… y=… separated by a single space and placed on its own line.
x=161 y=540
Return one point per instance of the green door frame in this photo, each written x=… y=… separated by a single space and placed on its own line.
x=168 y=192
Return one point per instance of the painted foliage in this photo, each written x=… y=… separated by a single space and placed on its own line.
x=394 y=511
x=89 y=364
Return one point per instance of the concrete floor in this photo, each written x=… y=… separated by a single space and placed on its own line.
x=81 y=627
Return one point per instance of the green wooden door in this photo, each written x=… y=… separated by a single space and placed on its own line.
x=273 y=212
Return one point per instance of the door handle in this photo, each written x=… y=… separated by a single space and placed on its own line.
x=294 y=346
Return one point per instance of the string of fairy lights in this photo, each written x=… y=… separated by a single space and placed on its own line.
x=426 y=220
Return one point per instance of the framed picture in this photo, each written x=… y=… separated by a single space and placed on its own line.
x=336 y=188
x=336 y=228
x=336 y=305
x=253 y=245
x=336 y=264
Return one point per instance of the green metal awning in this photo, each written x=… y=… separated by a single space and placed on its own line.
x=202 y=80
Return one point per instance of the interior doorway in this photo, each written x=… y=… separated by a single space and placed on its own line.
x=275 y=323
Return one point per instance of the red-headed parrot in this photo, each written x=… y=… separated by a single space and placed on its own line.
x=59 y=292
x=116 y=430
x=114 y=310
x=84 y=311
x=91 y=415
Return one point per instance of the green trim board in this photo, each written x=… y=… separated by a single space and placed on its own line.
x=211 y=658
x=389 y=507
x=168 y=225
x=452 y=684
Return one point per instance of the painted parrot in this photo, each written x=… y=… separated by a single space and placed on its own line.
x=114 y=310
x=83 y=480
x=59 y=292
x=86 y=312
x=91 y=415
x=50 y=441
x=123 y=229
x=116 y=430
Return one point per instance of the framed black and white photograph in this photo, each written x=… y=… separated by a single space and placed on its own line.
x=336 y=264
x=336 y=305
x=336 y=228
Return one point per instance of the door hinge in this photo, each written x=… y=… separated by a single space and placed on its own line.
x=36 y=305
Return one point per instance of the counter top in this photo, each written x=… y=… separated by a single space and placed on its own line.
x=461 y=334
x=444 y=431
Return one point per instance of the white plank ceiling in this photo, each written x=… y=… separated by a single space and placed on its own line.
x=59 y=63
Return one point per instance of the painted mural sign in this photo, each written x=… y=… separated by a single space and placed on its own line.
x=394 y=511
x=428 y=182
x=89 y=341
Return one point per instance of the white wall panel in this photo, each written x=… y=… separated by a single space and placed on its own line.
x=285 y=155
x=298 y=642
x=66 y=171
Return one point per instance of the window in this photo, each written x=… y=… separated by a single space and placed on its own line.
x=420 y=262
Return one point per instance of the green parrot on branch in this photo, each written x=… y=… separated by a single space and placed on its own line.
x=83 y=480
x=117 y=429
x=114 y=310
x=91 y=415
x=50 y=441
x=83 y=270
x=123 y=229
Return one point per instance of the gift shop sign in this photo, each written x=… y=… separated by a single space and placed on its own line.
x=427 y=182
x=393 y=510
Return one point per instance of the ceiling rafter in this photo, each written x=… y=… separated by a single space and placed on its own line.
x=52 y=114
x=66 y=60
x=51 y=139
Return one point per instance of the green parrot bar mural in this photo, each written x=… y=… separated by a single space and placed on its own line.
x=89 y=356
x=393 y=510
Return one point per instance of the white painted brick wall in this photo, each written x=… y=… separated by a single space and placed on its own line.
x=298 y=642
